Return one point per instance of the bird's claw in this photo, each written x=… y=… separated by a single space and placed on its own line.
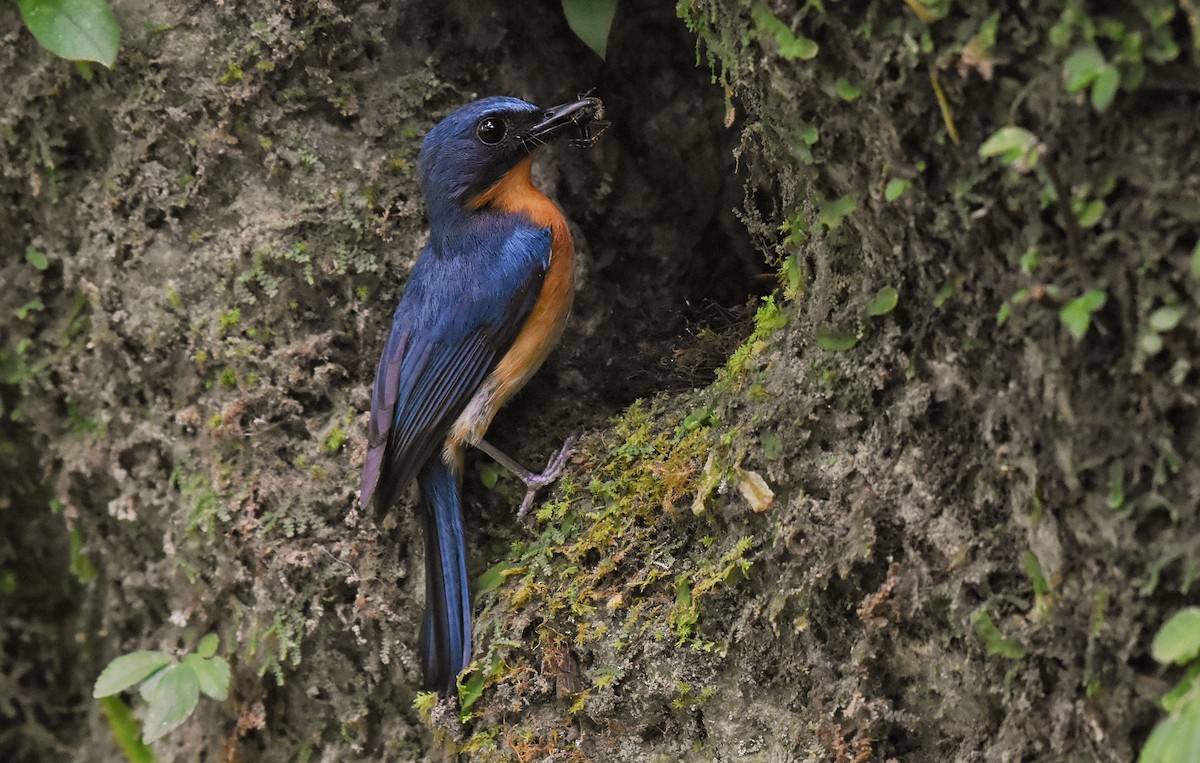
x=554 y=467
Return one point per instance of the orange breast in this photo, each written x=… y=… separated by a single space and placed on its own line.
x=516 y=193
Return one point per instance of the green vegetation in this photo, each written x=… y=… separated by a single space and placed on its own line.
x=170 y=687
x=895 y=188
x=591 y=21
x=1176 y=738
x=993 y=640
x=884 y=302
x=78 y=30
x=125 y=730
x=791 y=46
x=1076 y=315
x=596 y=576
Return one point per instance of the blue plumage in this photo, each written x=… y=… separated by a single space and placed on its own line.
x=446 y=633
x=487 y=297
x=447 y=334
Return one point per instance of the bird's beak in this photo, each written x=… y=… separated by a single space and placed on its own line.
x=584 y=117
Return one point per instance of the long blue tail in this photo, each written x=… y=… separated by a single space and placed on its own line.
x=446 y=636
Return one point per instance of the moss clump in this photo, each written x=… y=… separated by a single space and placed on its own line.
x=620 y=564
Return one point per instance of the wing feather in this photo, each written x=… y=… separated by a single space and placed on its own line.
x=447 y=335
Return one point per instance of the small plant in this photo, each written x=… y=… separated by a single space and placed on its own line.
x=884 y=302
x=1087 y=68
x=1076 y=315
x=791 y=46
x=77 y=30
x=1177 y=737
x=170 y=687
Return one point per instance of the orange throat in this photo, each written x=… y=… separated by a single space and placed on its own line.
x=515 y=193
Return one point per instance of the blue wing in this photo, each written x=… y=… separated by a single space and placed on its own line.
x=460 y=312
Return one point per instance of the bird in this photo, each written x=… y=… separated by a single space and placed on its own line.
x=485 y=303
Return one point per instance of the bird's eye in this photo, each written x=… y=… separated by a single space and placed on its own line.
x=490 y=130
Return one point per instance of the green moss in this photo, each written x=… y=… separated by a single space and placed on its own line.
x=767 y=320
x=80 y=566
x=334 y=440
x=81 y=423
x=278 y=646
x=232 y=75
x=618 y=559
x=230 y=319
x=204 y=503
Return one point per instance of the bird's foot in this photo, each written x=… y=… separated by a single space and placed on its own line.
x=536 y=482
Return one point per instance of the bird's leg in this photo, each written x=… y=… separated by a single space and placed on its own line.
x=533 y=482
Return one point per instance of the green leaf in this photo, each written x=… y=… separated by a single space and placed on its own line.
x=834 y=340
x=1091 y=212
x=1076 y=315
x=1150 y=343
x=470 y=690
x=985 y=38
x=846 y=91
x=1166 y=317
x=1082 y=66
x=683 y=593
x=805 y=137
x=1030 y=260
x=791 y=274
x=172 y=699
x=1015 y=146
x=489 y=474
x=994 y=641
x=208 y=645
x=77 y=30
x=36 y=258
x=884 y=302
x=591 y=21
x=1172 y=699
x=1037 y=577
x=1176 y=739
x=212 y=675
x=895 y=187
x=801 y=47
x=947 y=289
x=832 y=212
x=1006 y=139
x=1196 y=260
x=31 y=306
x=1104 y=88
x=1003 y=314
x=1178 y=641
x=125 y=730
x=494 y=577
x=791 y=46
x=127 y=670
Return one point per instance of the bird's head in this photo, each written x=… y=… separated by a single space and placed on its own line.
x=474 y=148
